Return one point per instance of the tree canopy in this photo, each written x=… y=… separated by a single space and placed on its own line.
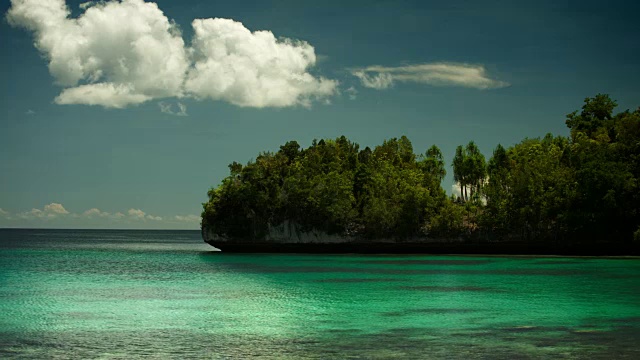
x=572 y=189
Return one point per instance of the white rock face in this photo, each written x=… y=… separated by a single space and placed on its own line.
x=285 y=233
x=289 y=232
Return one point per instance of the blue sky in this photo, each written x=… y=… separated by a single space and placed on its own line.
x=102 y=127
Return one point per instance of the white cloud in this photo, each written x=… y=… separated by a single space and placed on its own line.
x=119 y=54
x=136 y=213
x=352 y=92
x=86 y=5
x=55 y=215
x=55 y=208
x=167 y=108
x=50 y=211
x=106 y=94
x=456 y=190
x=30 y=112
x=33 y=213
x=436 y=74
x=188 y=218
x=252 y=68
x=182 y=109
x=95 y=213
x=115 y=54
x=377 y=81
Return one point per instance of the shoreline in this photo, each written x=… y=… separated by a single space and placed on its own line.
x=461 y=249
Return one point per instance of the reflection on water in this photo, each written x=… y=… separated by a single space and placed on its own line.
x=86 y=294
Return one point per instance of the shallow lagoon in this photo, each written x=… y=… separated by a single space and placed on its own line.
x=166 y=294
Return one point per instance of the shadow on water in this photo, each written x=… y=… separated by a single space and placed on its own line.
x=428 y=262
x=289 y=263
x=437 y=311
x=449 y=289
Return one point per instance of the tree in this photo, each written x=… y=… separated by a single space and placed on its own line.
x=593 y=118
x=469 y=170
x=475 y=167
x=433 y=164
x=564 y=190
x=496 y=218
x=332 y=187
x=460 y=173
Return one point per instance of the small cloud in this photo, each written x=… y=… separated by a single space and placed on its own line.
x=55 y=208
x=30 y=112
x=168 y=108
x=94 y=212
x=188 y=218
x=434 y=74
x=33 y=213
x=165 y=108
x=136 y=213
x=352 y=93
x=456 y=190
x=54 y=214
x=375 y=81
x=49 y=212
x=182 y=109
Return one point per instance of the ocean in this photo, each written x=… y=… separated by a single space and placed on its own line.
x=165 y=294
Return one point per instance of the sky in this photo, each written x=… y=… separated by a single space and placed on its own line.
x=123 y=114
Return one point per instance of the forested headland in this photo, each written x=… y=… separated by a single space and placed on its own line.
x=580 y=189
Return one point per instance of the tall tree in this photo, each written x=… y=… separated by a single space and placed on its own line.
x=475 y=167
x=469 y=170
x=460 y=172
x=592 y=120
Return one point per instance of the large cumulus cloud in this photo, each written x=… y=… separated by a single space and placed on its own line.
x=117 y=54
x=252 y=68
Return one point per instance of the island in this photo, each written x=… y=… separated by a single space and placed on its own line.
x=573 y=195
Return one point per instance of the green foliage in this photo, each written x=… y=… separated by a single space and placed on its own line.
x=580 y=189
x=448 y=222
x=469 y=170
x=557 y=189
x=330 y=186
x=534 y=194
x=592 y=120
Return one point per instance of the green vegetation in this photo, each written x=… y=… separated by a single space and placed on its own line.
x=558 y=189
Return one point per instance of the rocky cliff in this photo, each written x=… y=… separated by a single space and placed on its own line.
x=290 y=238
x=285 y=233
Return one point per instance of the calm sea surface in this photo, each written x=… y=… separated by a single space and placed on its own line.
x=166 y=294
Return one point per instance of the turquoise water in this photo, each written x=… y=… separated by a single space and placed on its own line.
x=162 y=294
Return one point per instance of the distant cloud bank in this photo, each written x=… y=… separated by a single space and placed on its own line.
x=118 y=54
x=55 y=214
x=435 y=74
